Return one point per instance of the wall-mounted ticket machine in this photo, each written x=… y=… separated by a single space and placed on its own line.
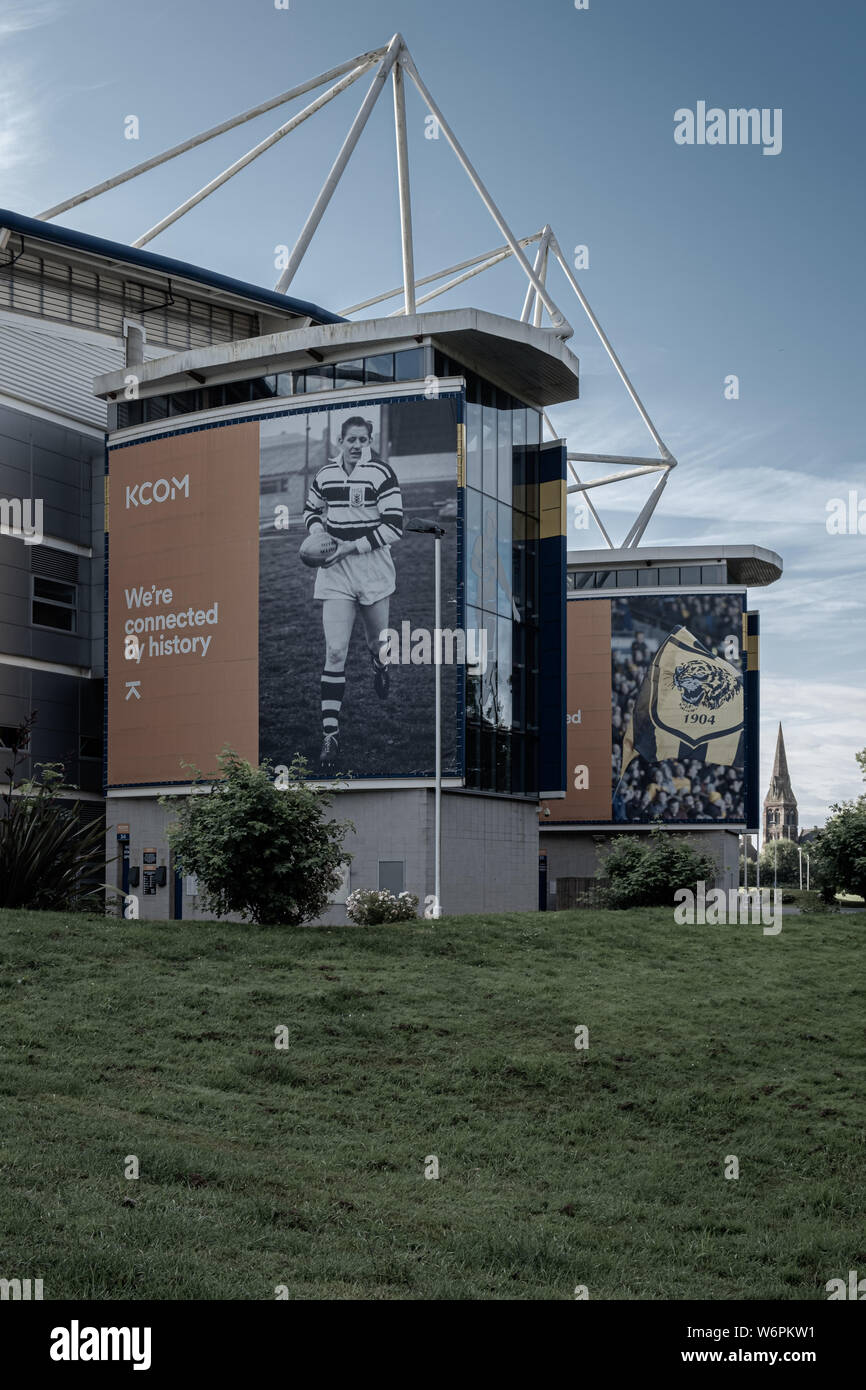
x=148 y=872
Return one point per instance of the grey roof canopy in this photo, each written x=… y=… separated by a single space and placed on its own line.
x=158 y=269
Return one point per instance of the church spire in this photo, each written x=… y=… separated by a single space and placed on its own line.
x=780 y=803
x=780 y=777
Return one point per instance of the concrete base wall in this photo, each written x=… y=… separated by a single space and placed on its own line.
x=489 y=849
x=576 y=854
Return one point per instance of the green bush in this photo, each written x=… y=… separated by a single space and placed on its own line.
x=262 y=849
x=646 y=871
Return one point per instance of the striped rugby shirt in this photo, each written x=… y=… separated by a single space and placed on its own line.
x=365 y=506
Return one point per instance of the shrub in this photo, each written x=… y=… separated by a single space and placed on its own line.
x=368 y=907
x=262 y=850
x=646 y=871
x=48 y=855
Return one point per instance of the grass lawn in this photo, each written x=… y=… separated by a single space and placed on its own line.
x=558 y=1167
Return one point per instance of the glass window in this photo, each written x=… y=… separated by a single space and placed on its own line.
x=691 y=575
x=505 y=563
x=647 y=578
x=583 y=579
x=155 y=408
x=488 y=759
x=473 y=444
x=300 y=380
x=54 y=604
x=669 y=576
x=530 y=766
x=215 y=396
x=505 y=463
x=380 y=368
x=518 y=675
x=714 y=574
x=503 y=762
x=474 y=548
x=53 y=589
x=504 y=673
x=531 y=570
x=181 y=403
x=518 y=561
x=488 y=444
x=517 y=754
x=489 y=679
x=410 y=364
x=626 y=579
x=319 y=378
x=473 y=754
x=349 y=373
x=237 y=392
x=605 y=579
x=490 y=554
x=284 y=384
x=518 y=457
x=47 y=615
x=474 y=624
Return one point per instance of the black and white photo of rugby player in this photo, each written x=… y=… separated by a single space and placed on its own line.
x=356 y=499
x=321 y=623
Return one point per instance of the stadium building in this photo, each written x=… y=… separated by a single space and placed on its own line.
x=233 y=519
x=174 y=518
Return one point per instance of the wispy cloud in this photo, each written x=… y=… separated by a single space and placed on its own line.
x=22 y=109
x=17 y=16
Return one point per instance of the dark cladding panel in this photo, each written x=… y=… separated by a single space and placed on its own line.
x=552 y=571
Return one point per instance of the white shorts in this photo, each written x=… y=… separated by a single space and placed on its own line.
x=364 y=578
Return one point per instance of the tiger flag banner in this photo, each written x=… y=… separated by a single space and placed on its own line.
x=690 y=705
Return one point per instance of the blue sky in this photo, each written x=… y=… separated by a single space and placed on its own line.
x=704 y=261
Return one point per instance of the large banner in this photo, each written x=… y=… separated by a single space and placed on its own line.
x=656 y=710
x=267 y=593
x=358 y=474
x=182 y=603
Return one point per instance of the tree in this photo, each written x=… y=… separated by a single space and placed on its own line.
x=839 y=863
x=261 y=849
x=839 y=856
x=646 y=871
x=48 y=855
x=782 y=859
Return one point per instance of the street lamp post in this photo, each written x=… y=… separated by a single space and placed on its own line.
x=429 y=528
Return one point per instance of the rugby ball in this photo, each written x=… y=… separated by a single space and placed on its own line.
x=318 y=548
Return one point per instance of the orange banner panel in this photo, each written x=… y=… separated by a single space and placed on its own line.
x=183 y=592
x=589 y=739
